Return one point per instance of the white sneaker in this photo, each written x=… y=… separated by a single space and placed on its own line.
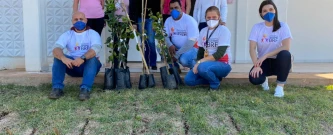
x=279 y=91
x=265 y=85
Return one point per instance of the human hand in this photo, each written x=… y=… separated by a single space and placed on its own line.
x=172 y=50
x=195 y=68
x=260 y=61
x=174 y=59
x=67 y=62
x=255 y=72
x=77 y=62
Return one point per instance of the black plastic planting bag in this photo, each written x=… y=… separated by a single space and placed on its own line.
x=120 y=81
x=151 y=81
x=164 y=73
x=109 y=79
x=143 y=82
x=175 y=72
x=171 y=82
x=128 y=78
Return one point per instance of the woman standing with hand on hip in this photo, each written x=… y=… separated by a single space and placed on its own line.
x=214 y=56
x=271 y=39
x=94 y=11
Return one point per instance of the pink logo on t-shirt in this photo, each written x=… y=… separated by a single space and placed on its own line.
x=270 y=39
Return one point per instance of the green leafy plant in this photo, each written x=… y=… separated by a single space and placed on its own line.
x=160 y=35
x=117 y=29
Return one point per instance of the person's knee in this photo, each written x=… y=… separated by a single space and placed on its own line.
x=189 y=80
x=257 y=81
x=92 y=62
x=183 y=61
x=284 y=54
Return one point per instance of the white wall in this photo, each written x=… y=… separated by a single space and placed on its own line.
x=311 y=22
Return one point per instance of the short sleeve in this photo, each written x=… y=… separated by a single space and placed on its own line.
x=254 y=34
x=95 y=38
x=225 y=36
x=192 y=29
x=285 y=31
x=63 y=40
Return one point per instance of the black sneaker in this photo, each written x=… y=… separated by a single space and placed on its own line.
x=84 y=94
x=153 y=67
x=56 y=93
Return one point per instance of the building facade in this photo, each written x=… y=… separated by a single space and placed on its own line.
x=29 y=29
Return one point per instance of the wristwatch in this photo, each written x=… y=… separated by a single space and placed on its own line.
x=83 y=57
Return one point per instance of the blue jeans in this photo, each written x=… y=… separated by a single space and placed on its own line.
x=150 y=48
x=187 y=59
x=209 y=72
x=88 y=70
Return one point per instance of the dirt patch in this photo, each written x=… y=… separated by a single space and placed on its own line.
x=83 y=111
x=91 y=127
x=327 y=128
x=7 y=120
x=231 y=124
x=77 y=130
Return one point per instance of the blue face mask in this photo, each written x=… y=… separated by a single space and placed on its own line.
x=269 y=16
x=175 y=14
x=79 y=25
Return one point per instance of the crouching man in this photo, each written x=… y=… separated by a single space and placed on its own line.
x=83 y=45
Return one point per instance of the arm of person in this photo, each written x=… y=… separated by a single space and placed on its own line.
x=253 y=53
x=60 y=44
x=188 y=6
x=192 y=36
x=189 y=45
x=285 y=46
x=96 y=45
x=217 y=55
x=224 y=10
x=75 y=5
x=102 y=4
x=161 y=6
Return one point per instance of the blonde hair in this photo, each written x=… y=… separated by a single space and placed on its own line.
x=214 y=9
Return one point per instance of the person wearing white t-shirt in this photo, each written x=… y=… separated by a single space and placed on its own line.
x=271 y=39
x=214 y=55
x=83 y=45
x=201 y=6
x=182 y=34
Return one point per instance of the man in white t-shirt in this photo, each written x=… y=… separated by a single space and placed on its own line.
x=182 y=35
x=83 y=45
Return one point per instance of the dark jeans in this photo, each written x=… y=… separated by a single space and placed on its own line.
x=96 y=24
x=202 y=25
x=150 y=47
x=279 y=67
x=88 y=70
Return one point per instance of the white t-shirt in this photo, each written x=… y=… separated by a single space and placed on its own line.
x=181 y=30
x=78 y=44
x=221 y=37
x=267 y=40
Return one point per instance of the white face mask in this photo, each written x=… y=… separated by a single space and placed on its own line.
x=212 y=23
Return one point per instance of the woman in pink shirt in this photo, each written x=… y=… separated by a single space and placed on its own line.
x=165 y=7
x=94 y=12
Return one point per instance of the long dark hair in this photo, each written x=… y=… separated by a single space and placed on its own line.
x=276 y=22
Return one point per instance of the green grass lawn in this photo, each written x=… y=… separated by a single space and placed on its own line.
x=233 y=110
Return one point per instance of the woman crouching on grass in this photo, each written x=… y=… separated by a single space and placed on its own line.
x=213 y=59
x=271 y=39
